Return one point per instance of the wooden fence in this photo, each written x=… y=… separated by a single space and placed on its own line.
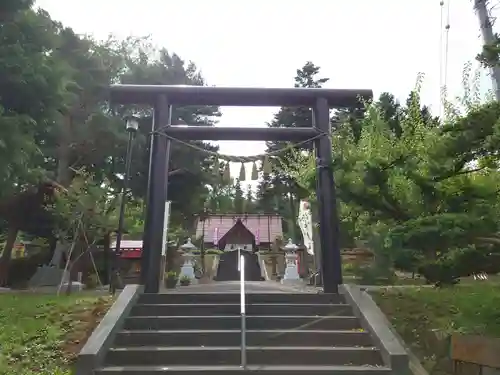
x=475 y=355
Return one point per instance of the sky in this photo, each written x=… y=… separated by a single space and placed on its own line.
x=380 y=45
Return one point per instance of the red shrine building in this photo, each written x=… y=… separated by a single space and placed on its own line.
x=228 y=231
x=239 y=235
x=129 y=249
x=130 y=259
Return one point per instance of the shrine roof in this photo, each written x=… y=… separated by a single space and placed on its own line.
x=266 y=226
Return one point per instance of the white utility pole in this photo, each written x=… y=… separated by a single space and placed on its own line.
x=488 y=38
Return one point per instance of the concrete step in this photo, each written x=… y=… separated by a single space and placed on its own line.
x=303 y=298
x=234 y=309
x=233 y=338
x=255 y=322
x=236 y=370
x=264 y=355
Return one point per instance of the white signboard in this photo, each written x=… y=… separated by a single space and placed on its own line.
x=165 y=228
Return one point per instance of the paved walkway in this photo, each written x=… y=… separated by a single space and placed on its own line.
x=272 y=287
x=234 y=287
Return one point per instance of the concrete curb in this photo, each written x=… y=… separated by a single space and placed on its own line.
x=92 y=354
x=374 y=321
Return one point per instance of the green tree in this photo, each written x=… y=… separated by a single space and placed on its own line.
x=490 y=54
x=30 y=96
x=239 y=200
x=249 y=202
x=56 y=121
x=279 y=187
x=265 y=201
x=415 y=188
x=220 y=195
x=193 y=169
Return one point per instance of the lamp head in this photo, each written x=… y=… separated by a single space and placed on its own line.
x=131 y=124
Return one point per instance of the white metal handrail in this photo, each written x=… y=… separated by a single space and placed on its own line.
x=241 y=268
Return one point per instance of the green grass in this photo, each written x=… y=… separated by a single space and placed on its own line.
x=417 y=281
x=425 y=317
x=492 y=279
x=41 y=334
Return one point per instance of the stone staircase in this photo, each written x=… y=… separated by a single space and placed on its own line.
x=188 y=334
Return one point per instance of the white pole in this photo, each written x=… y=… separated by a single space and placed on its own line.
x=239 y=260
x=243 y=312
x=242 y=284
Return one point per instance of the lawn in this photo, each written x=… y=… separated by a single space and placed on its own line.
x=425 y=317
x=41 y=334
x=407 y=279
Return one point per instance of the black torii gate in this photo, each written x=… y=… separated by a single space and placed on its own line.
x=162 y=98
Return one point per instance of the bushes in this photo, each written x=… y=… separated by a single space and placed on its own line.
x=348 y=269
x=438 y=265
x=92 y=281
x=439 y=273
x=374 y=275
x=214 y=252
x=381 y=271
x=208 y=252
x=449 y=267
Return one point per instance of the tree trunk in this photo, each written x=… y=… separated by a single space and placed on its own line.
x=75 y=262
x=7 y=254
x=64 y=153
x=106 y=258
x=52 y=242
x=63 y=176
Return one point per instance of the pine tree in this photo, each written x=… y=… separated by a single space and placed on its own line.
x=249 y=200
x=279 y=186
x=265 y=195
x=239 y=200
x=289 y=117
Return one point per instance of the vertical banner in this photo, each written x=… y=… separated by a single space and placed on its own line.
x=163 y=263
x=306 y=225
x=216 y=236
x=165 y=228
x=257 y=237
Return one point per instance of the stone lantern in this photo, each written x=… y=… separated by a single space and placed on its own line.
x=187 y=269
x=291 y=270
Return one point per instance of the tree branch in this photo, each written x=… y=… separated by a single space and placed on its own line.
x=490 y=240
x=176 y=172
x=457 y=173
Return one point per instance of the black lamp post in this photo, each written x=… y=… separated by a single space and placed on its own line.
x=132 y=125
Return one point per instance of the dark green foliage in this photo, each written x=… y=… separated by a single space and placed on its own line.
x=23 y=269
x=56 y=125
x=489 y=56
x=278 y=191
x=239 y=200
x=430 y=190
x=265 y=195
